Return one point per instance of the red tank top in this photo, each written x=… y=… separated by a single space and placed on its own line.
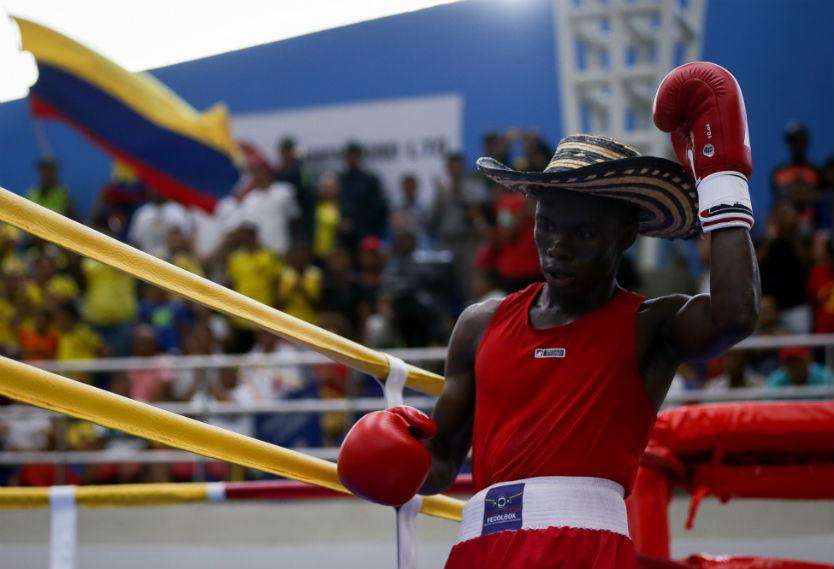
x=566 y=401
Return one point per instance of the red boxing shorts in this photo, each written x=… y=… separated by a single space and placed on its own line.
x=549 y=522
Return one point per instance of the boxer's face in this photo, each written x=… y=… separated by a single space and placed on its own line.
x=580 y=239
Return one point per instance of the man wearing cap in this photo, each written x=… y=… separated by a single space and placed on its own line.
x=799 y=175
x=798 y=369
x=557 y=386
x=49 y=192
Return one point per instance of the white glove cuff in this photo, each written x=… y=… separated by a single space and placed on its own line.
x=724 y=201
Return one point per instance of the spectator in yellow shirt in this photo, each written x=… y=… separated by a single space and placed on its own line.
x=252 y=270
x=11 y=267
x=299 y=284
x=51 y=287
x=8 y=336
x=327 y=217
x=49 y=192
x=181 y=251
x=110 y=297
x=76 y=340
x=19 y=294
x=110 y=304
x=9 y=240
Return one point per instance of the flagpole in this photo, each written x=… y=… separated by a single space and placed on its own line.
x=40 y=138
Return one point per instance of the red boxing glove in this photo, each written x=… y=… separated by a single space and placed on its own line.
x=382 y=458
x=701 y=105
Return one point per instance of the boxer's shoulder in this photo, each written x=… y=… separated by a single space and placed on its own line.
x=654 y=317
x=473 y=322
x=484 y=309
x=662 y=306
x=476 y=317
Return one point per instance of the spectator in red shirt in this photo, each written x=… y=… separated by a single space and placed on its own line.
x=372 y=260
x=45 y=475
x=511 y=252
x=333 y=381
x=38 y=341
x=119 y=199
x=820 y=285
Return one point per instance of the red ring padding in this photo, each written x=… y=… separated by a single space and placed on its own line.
x=761 y=428
x=724 y=562
x=761 y=450
x=705 y=562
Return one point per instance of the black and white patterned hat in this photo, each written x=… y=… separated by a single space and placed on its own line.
x=662 y=189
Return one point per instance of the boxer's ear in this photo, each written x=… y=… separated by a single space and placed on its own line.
x=629 y=228
x=629 y=236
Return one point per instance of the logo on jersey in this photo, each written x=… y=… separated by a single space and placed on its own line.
x=503 y=508
x=540 y=353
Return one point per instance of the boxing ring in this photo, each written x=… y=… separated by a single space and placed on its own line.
x=762 y=450
x=53 y=392
x=772 y=483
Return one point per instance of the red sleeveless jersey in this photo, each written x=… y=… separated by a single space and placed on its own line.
x=565 y=401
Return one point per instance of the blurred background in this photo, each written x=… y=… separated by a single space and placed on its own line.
x=331 y=175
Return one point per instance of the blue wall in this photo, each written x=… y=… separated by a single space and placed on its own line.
x=498 y=55
x=782 y=53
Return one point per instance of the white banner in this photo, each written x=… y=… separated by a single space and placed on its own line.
x=407 y=135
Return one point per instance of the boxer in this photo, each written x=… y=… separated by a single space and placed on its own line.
x=556 y=387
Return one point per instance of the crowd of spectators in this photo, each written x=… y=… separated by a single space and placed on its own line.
x=795 y=254
x=336 y=249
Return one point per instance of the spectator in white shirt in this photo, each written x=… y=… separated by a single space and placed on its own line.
x=211 y=228
x=271 y=207
x=153 y=221
x=26 y=429
x=258 y=199
x=271 y=383
x=226 y=388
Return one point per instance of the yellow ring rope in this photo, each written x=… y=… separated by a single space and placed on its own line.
x=41 y=388
x=112 y=495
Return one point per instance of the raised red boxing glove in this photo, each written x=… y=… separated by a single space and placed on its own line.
x=701 y=105
x=382 y=458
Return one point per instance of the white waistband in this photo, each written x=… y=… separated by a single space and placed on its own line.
x=547 y=501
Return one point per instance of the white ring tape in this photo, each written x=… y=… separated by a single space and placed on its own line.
x=62 y=527
x=395 y=382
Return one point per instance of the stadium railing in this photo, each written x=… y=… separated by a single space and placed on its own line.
x=436 y=355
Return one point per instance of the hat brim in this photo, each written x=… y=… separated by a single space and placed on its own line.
x=662 y=189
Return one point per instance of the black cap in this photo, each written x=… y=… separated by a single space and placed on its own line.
x=286 y=143
x=46 y=162
x=795 y=129
x=247 y=226
x=353 y=146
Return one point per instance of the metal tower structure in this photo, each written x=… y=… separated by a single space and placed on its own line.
x=612 y=55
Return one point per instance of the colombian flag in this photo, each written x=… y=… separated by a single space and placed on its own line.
x=188 y=156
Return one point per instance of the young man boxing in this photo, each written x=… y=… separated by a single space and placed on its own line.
x=556 y=387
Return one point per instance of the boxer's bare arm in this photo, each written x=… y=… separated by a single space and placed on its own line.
x=679 y=328
x=454 y=412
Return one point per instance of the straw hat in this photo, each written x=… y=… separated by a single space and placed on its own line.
x=662 y=189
